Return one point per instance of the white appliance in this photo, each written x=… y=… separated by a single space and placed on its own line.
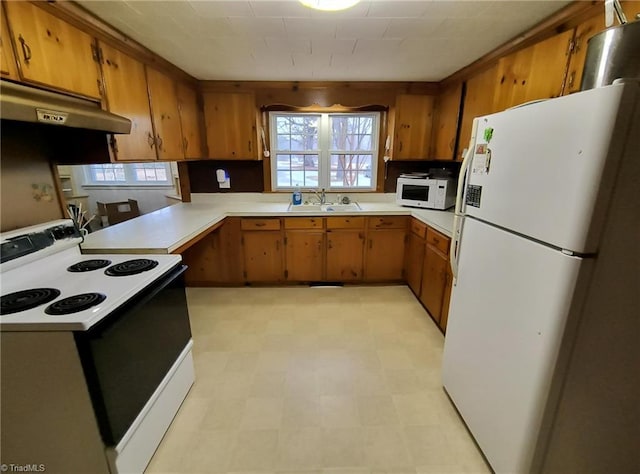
x=426 y=193
x=95 y=351
x=541 y=350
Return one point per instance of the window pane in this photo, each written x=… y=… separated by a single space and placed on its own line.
x=351 y=133
x=283 y=162
x=311 y=162
x=297 y=178
x=351 y=170
x=140 y=175
x=284 y=142
x=283 y=178
x=161 y=174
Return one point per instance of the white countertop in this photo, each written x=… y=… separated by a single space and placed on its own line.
x=167 y=229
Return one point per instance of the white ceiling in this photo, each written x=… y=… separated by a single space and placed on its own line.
x=377 y=40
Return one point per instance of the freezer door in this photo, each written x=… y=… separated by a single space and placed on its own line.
x=506 y=319
x=546 y=170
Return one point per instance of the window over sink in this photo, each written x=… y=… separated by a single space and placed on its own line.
x=335 y=151
x=129 y=174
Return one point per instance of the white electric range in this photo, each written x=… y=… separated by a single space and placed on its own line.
x=95 y=351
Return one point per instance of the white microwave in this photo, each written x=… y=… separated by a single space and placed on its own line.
x=426 y=193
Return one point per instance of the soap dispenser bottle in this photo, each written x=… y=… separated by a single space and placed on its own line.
x=296 y=198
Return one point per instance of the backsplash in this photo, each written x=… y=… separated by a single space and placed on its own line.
x=396 y=168
x=246 y=176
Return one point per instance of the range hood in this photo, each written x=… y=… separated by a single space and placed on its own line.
x=28 y=104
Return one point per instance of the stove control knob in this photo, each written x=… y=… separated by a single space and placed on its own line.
x=70 y=231
x=58 y=233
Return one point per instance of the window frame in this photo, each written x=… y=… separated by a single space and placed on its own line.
x=325 y=151
x=130 y=176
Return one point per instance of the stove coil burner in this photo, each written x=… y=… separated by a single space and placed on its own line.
x=26 y=299
x=74 y=304
x=89 y=265
x=131 y=267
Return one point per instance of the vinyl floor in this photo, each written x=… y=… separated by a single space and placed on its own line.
x=315 y=381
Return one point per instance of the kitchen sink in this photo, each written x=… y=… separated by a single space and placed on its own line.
x=329 y=207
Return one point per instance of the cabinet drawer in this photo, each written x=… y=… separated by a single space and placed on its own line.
x=418 y=228
x=260 y=224
x=390 y=222
x=438 y=240
x=345 y=222
x=303 y=223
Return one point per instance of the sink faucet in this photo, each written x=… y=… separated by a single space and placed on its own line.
x=321 y=196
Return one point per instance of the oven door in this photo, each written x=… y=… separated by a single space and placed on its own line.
x=127 y=355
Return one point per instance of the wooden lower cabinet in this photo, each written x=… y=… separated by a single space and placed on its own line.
x=217 y=258
x=433 y=281
x=414 y=261
x=304 y=251
x=263 y=256
x=384 y=260
x=345 y=255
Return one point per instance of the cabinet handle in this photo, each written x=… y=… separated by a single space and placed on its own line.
x=400 y=147
x=370 y=244
x=360 y=235
x=451 y=143
x=26 y=50
x=249 y=145
x=329 y=244
x=113 y=142
x=260 y=224
x=159 y=143
x=436 y=241
x=150 y=140
x=185 y=143
x=572 y=78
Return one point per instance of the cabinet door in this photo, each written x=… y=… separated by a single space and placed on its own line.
x=303 y=255
x=230 y=120
x=446 y=299
x=433 y=281
x=345 y=255
x=190 y=121
x=166 y=117
x=478 y=101
x=536 y=72
x=7 y=59
x=262 y=256
x=216 y=259
x=414 y=262
x=125 y=86
x=413 y=123
x=51 y=51
x=445 y=129
x=384 y=255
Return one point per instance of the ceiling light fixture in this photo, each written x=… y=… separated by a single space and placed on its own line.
x=329 y=5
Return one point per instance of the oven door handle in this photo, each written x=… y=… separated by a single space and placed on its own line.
x=103 y=327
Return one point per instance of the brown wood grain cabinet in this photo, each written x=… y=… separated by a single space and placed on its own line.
x=230 y=122
x=125 y=85
x=304 y=255
x=414 y=255
x=262 y=248
x=51 y=52
x=216 y=259
x=536 y=72
x=436 y=276
x=446 y=118
x=166 y=116
x=190 y=119
x=384 y=248
x=413 y=121
x=345 y=254
x=8 y=67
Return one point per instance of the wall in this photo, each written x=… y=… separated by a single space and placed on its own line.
x=246 y=176
x=25 y=164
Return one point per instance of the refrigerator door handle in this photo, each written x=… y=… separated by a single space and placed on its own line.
x=457 y=216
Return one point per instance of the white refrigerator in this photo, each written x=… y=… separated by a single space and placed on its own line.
x=541 y=353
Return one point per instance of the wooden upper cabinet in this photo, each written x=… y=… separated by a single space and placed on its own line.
x=536 y=72
x=412 y=128
x=230 y=120
x=166 y=117
x=51 y=52
x=584 y=32
x=125 y=87
x=7 y=59
x=190 y=121
x=445 y=128
x=478 y=101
